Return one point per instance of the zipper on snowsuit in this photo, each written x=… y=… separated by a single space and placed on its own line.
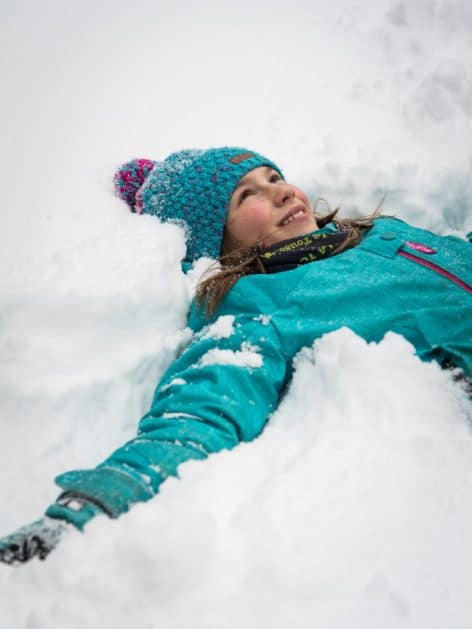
x=437 y=269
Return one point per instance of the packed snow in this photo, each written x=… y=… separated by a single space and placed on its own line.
x=222 y=328
x=354 y=506
x=247 y=356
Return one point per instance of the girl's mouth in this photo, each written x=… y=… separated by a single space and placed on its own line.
x=293 y=216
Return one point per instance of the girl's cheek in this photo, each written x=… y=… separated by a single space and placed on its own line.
x=306 y=199
x=257 y=216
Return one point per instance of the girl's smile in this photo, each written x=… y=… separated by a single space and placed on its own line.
x=265 y=209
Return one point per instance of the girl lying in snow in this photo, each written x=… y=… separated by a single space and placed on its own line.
x=287 y=276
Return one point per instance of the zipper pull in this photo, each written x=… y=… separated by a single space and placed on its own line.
x=419 y=247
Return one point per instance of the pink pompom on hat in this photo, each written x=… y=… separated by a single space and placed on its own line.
x=129 y=179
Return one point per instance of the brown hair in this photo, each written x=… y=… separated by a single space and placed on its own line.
x=236 y=262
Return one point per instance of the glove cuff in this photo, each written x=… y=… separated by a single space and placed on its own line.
x=74 y=509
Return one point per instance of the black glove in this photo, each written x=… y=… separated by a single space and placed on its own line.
x=34 y=540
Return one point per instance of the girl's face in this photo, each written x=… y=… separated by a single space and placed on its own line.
x=265 y=209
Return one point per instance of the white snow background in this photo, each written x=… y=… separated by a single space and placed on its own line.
x=354 y=507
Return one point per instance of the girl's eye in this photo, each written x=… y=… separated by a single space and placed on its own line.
x=244 y=194
x=273 y=178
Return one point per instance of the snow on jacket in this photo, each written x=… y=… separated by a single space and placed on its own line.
x=223 y=387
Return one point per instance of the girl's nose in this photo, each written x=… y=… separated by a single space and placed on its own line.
x=284 y=193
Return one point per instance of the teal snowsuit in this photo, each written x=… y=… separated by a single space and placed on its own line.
x=223 y=387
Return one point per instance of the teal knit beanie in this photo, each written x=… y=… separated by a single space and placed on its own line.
x=192 y=188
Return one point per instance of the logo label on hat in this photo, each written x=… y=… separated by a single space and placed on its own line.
x=237 y=159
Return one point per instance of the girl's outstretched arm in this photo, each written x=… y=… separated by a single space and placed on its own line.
x=219 y=392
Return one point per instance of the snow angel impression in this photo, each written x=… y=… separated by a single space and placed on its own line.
x=279 y=261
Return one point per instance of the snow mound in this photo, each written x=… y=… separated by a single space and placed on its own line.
x=351 y=508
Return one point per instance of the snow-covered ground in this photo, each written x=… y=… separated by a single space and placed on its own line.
x=353 y=509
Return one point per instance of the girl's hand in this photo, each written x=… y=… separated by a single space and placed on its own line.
x=34 y=540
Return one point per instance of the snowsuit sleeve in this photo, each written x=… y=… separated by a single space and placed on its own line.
x=220 y=391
